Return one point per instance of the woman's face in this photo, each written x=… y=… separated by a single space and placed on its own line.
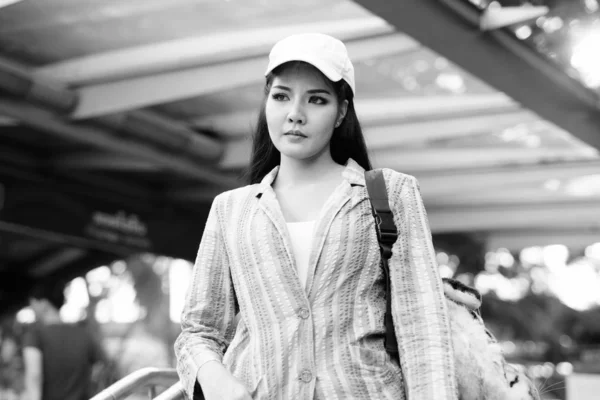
x=302 y=111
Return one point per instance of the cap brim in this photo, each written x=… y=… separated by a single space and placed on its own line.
x=329 y=72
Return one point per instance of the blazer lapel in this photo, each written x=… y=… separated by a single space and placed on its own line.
x=353 y=175
x=270 y=206
x=331 y=208
x=268 y=203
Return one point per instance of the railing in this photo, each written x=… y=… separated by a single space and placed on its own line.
x=145 y=377
x=175 y=392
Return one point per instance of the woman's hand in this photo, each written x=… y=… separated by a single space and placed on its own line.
x=219 y=384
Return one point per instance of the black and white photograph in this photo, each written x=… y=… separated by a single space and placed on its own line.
x=299 y=200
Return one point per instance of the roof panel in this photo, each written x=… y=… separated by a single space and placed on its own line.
x=39 y=32
x=424 y=115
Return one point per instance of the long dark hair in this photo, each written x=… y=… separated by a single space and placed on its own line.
x=347 y=140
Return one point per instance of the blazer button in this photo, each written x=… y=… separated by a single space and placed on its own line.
x=304 y=313
x=306 y=376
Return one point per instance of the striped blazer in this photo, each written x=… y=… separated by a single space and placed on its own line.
x=323 y=340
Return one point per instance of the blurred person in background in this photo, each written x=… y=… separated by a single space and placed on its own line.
x=141 y=349
x=11 y=362
x=58 y=356
x=296 y=253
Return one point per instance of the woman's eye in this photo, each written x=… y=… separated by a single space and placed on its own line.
x=318 y=100
x=279 y=96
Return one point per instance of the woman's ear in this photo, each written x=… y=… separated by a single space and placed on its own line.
x=343 y=109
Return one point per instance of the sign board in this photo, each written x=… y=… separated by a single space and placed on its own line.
x=120 y=227
x=97 y=220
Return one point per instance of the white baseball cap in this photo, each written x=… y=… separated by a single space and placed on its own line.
x=326 y=53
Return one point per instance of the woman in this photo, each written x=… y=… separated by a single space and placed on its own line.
x=296 y=253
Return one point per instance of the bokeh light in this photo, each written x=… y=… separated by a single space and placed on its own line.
x=76 y=301
x=586 y=58
x=179 y=277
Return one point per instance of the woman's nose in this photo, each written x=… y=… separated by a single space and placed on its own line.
x=296 y=114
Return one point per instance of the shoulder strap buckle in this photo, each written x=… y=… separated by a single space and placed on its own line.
x=387 y=233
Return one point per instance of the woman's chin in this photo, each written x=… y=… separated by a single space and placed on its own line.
x=296 y=152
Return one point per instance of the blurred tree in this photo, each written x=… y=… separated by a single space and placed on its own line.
x=469 y=248
x=146 y=343
x=147 y=272
x=584 y=327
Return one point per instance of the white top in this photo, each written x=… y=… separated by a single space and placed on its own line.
x=301 y=235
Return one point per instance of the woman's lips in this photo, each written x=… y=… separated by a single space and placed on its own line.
x=295 y=133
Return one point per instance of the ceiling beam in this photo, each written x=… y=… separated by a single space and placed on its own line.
x=472 y=197
x=18 y=157
x=515 y=241
x=406 y=109
x=423 y=132
x=443 y=183
x=15 y=68
x=6 y=121
x=147 y=126
x=55 y=261
x=63 y=14
x=23 y=166
x=56 y=238
x=508 y=195
x=97 y=180
x=432 y=160
x=574 y=216
x=498 y=185
x=214 y=48
x=47 y=121
x=6 y=3
x=439 y=159
x=501 y=60
x=95 y=161
x=233 y=125
x=394 y=111
x=169 y=86
x=203 y=194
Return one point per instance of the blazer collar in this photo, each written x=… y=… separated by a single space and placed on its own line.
x=354 y=174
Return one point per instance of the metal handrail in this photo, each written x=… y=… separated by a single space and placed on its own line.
x=138 y=379
x=175 y=392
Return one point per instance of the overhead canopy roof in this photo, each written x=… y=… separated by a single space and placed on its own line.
x=142 y=110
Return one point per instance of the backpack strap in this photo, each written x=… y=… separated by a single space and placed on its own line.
x=387 y=233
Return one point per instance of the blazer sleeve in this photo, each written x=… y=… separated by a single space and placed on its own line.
x=419 y=309
x=207 y=323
